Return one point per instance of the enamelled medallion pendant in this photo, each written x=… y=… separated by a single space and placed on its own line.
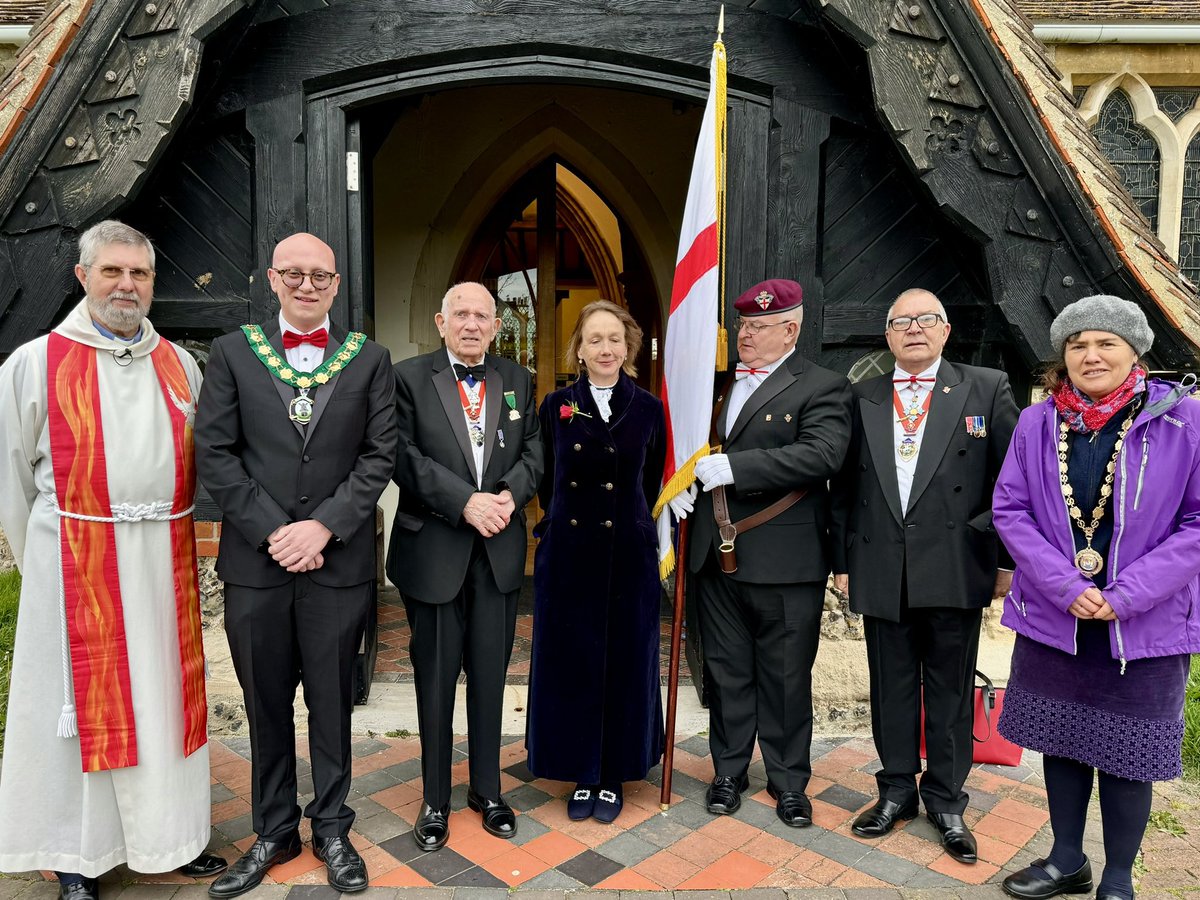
x=301 y=408
x=1089 y=562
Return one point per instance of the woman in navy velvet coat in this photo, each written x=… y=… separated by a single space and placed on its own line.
x=595 y=708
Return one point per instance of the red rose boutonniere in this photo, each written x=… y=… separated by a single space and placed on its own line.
x=568 y=411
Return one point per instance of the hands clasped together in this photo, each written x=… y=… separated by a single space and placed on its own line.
x=1091 y=605
x=298 y=546
x=489 y=514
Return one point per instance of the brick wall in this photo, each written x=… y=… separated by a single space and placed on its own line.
x=208 y=534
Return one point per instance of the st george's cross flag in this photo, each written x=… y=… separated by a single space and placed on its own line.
x=691 y=339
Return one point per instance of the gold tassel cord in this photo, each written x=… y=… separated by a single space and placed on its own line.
x=720 y=103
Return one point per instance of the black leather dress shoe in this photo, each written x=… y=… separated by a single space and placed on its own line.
x=956 y=836
x=247 y=873
x=205 y=865
x=1042 y=879
x=88 y=889
x=433 y=828
x=882 y=817
x=498 y=817
x=344 y=868
x=724 y=795
x=792 y=807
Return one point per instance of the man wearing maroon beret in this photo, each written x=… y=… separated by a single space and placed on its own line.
x=760 y=550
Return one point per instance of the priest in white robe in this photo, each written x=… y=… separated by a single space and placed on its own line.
x=105 y=758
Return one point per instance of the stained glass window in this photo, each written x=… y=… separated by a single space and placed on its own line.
x=1132 y=150
x=1189 y=232
x=1176 y=102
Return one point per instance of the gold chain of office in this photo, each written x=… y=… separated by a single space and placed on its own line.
x=277 y=366
x=1088 y=560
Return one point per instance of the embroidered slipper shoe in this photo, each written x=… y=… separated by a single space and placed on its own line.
x=582 y=802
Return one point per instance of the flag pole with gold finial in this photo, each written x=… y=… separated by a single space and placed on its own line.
x=721 y=156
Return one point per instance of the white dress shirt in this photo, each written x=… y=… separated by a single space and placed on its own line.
x=744 y=387
x=910 y=395
x=472 y=394
x=303 y=357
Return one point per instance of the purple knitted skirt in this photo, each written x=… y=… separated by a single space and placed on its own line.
x=1082 y=707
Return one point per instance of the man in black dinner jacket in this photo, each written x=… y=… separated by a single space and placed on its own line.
x=470 y=459
x=783 y=423
x=295 y=441
x=915 y=549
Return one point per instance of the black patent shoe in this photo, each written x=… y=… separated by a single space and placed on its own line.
x=1042 y=879
x=724 y=794
x=248 y=872
x=433 y=828
x=88 y=889
x=206 y=865
x=583 y=802
x=344 y=868
x=793 y=807
x=498 y=817
x=956 y=836
x=882 y=817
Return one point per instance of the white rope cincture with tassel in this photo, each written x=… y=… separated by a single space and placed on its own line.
x=160 y=511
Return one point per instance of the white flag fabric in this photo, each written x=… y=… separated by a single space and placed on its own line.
x=691 y=338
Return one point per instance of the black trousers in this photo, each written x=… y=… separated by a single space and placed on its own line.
x=473 y=633
x=281 y=637
x=936 y=647
x=760 y=641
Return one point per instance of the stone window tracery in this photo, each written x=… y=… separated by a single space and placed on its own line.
x=1132 y=150
x=1189 y=230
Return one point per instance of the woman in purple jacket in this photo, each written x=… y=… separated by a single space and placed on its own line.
x=1098 y=502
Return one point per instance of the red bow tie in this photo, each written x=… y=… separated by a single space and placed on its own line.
x=318 y=338
x=742 y=372
x=912 y=381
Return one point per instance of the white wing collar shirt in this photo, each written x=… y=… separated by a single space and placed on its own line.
x=474 y=415
x=912 y=391
x=746 y=383
x=303 y=357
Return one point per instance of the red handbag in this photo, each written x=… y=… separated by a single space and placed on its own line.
x=990 y=745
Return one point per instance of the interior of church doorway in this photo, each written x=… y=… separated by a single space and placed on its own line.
x=548 y=248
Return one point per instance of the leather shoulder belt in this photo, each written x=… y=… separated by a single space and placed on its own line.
x=730 y=530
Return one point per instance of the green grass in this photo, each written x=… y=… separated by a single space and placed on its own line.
x=1191 y=724
x=10 y=590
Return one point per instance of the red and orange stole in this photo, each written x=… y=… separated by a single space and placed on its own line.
x=91 y=585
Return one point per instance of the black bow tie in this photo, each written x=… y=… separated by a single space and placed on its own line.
x=462 y=372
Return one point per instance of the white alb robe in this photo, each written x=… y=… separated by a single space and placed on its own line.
x=154 y=816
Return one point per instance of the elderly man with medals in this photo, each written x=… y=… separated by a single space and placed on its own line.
x=915 y=550
x=470 y=460
x=106 y=754
x=760 y=548
x=296 y=439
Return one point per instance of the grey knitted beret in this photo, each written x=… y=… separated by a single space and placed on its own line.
x=1103 y=312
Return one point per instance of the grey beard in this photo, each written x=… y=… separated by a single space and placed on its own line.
x=114 y=318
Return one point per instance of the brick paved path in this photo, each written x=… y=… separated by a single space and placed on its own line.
x=751 y=855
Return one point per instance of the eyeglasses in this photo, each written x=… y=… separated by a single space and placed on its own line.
x=319 y=278
x=925 y=320
x=753 y=327
x=116 y=272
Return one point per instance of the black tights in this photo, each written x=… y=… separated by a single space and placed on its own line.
x=1124 y=812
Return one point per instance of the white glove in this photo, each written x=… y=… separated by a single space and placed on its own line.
x=714 y=470
x=683 y=502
